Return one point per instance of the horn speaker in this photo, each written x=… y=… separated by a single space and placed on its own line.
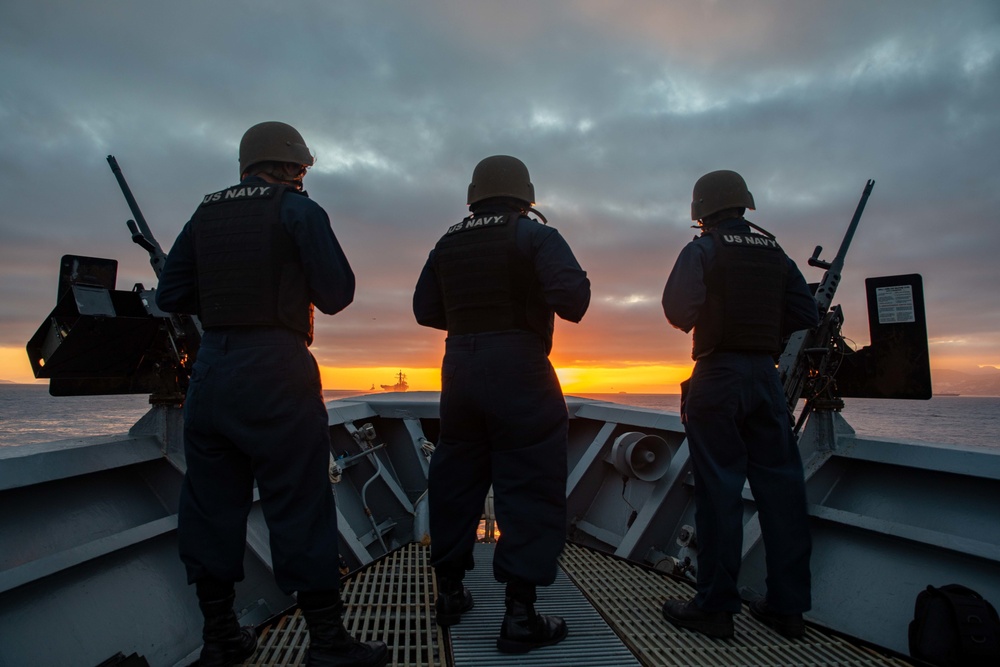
x=644 y=457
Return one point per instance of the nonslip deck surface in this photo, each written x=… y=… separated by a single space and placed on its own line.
x=612 y=609
x=392 y=601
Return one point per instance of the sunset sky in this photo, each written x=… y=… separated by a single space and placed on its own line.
x=615 y=107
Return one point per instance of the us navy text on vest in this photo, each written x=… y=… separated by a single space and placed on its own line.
x=477 y=223
x=239 y=192
x=750 y=240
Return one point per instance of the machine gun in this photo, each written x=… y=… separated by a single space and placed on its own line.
x=186 y=329
x=821 y=367
x=141 y=234
x=100 y=340
x=803 y=366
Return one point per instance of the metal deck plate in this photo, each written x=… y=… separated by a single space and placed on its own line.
x=611 y=606
x=590 y=640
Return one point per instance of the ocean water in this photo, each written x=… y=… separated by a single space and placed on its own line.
x=944 y=420
x=29 y=414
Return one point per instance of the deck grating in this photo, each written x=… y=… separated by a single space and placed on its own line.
x=612 y=608
x=391 y=601
x=629 y=597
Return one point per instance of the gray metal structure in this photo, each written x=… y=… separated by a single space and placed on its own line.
x=89 y=568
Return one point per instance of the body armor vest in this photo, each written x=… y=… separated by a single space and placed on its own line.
x=485 y=282
x=745 y=295
x=249 y=271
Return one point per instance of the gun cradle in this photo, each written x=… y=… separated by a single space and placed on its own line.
x=99 y=340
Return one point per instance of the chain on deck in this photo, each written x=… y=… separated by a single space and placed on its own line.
x=393 y=599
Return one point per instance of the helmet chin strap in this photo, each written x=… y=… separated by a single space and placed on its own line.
x=513 y=203
x=295 y=183
x=531 y=209
x=761 y=230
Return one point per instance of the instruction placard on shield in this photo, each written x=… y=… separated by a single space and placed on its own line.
x=895 y=304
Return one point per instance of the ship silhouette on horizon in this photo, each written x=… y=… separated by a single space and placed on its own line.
x=400 y=385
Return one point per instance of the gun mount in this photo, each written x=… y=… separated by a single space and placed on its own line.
x=101 y=340
x=821 y=367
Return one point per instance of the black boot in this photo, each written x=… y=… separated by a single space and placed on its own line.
x=331 y=646
x=788 y=625
x=226 y=643
x=453 y=600
x=523 y=629
x=685 y=614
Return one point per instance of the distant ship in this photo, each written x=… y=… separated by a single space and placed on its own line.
x=946 y=393
x=400 y=383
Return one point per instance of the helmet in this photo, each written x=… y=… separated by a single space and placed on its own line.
x=501 y=176
x=273 y=142
x=718 y=190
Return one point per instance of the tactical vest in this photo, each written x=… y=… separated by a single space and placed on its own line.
x=249 y=271
x=745 y=296
x=485 y=282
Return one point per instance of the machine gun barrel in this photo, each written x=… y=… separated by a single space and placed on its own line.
x=141 y=234
x=185 y=329
x=794 y=366
x=831 y=279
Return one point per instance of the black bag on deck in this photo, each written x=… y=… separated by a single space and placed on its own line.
x=953 y=626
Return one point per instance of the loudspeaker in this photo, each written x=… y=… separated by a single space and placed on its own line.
x=644 y=457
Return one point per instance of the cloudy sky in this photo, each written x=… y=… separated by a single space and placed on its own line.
x=616 y=108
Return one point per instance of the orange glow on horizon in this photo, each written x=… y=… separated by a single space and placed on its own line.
x=603 y=376
x=654 y=379
x=648 y=379
x=637 y=379
x=372 y=378
x=14 y=365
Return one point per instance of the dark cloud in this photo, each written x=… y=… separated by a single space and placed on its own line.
x=616 y=108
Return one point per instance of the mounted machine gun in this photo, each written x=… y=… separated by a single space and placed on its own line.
x=100 y=340
x=818 y=364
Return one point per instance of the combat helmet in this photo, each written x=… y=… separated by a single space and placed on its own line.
x=273 y=141
x=718 y=190
x=501 y=176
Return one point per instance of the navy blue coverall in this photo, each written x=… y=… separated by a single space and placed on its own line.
x=738 y=429
x=503 y=422
x=255 y=410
